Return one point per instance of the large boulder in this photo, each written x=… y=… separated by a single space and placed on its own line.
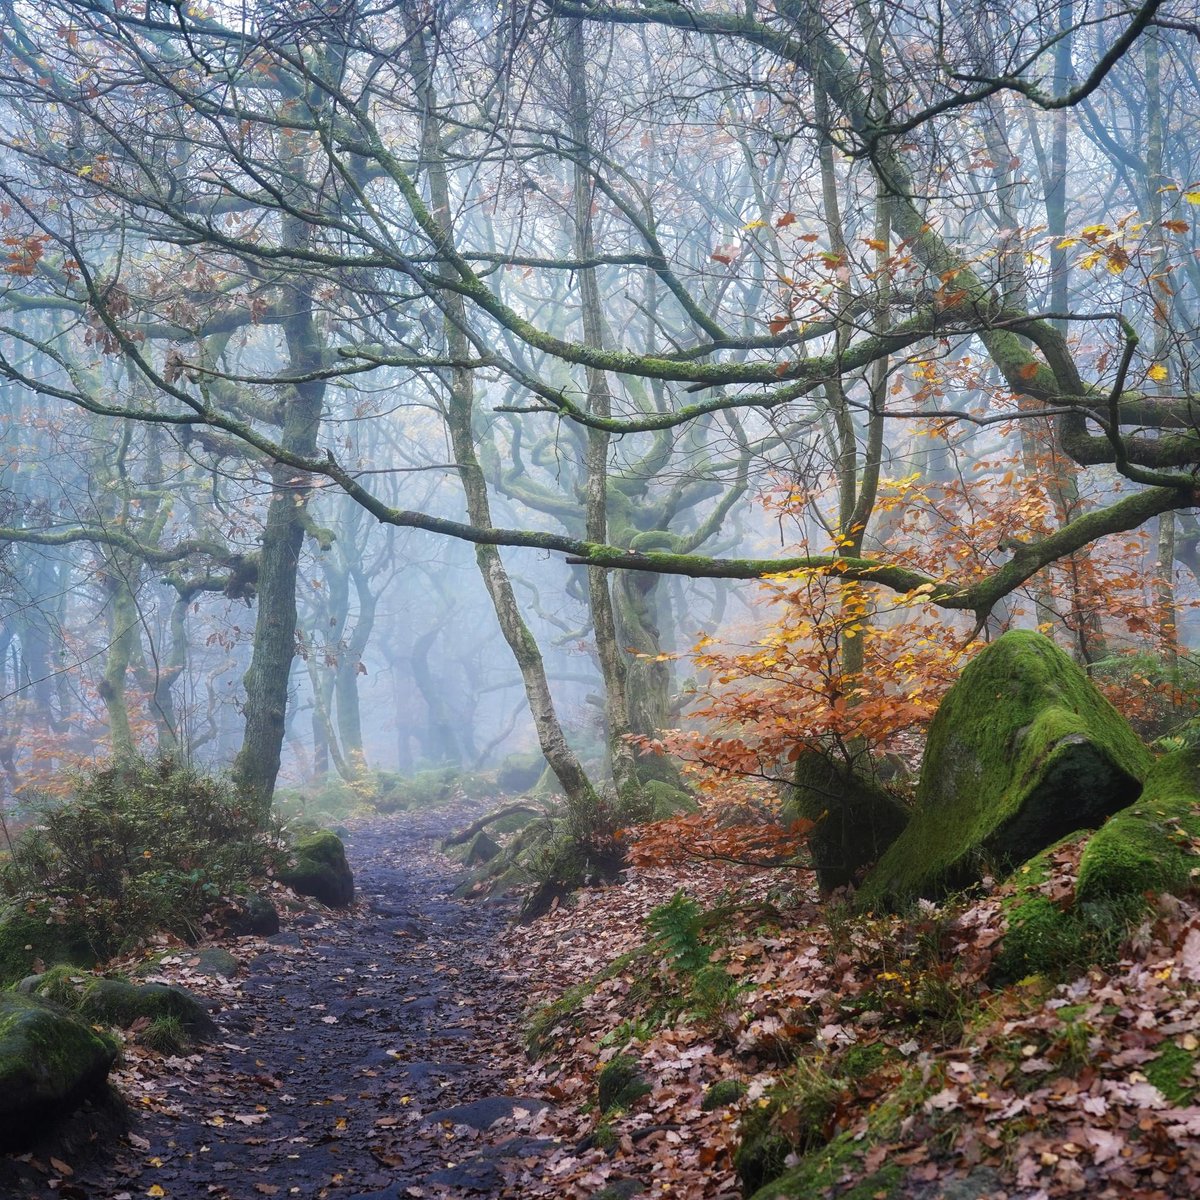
x=50 y=1061
x=321 y=869
x=520 y=771
x=854 y=819
x=1022 y=751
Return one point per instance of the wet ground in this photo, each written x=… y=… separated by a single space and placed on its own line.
x=360 y=1055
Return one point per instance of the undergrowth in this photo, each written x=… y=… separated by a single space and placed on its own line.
x=136 y=848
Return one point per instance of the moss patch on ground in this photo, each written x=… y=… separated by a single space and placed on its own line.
x=1023 y=750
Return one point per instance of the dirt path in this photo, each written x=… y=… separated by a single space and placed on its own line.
x=359 y=1056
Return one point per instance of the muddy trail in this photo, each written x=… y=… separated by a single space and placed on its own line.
x=362 y=1055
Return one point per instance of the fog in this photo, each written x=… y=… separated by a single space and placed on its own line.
x=351 y=353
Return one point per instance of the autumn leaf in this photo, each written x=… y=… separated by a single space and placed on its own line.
x=779 y=324
x=1157 y=372
x=1176 y=226
x=1028 y=370
x=1192 y=197
x=788 y=218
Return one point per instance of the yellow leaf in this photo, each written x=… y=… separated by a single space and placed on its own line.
x=1065 y=243
x=1192 y=197
x=155 y=1190
x=1157 y=372
x=754 y=225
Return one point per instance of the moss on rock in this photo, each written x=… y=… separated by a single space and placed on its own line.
x=856 y=820
x=49 y=1062
x=482 y=848
x=321 y=869
x=1023 y=750
x=32 y=941
x=520 y=770
x=665 y=800
x=120 y=1003
x=1151 y=846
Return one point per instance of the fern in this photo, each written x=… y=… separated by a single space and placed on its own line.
x=677 y=924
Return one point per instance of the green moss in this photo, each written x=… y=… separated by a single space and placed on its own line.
x=1154 y=844
x=1045 y=938
x=621 y=1083
x=793 y=1120
x=49 y=1060
x=865 y=1058
x=44 y=937
x=321 y=869
x=1023 y=750
x=722 y=1094
x=1173 y=1073
x=120 y=1003
x=817 y=1175
x=856 y=820
x=520 y=771
x=664 y=800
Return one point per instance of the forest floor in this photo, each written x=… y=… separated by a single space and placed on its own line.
x=384 y=1052
x=359 y=1054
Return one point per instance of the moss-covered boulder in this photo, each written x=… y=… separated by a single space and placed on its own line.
x=120 y=1003
x=855 y=820
x=50 y=1061
x=1154 y=844
x=321 y=869
x=482 y=848
x=520 y=771
x=1022 y=751
x=34 y=940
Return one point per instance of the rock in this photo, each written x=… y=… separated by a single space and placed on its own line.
x=520 y=771
x=481 y=848
x=1150 y=846
x=1022 y=751
x=30 y=942
x=120 y=1003
x=257 y=918
x=321 y=869
x=212 y=960
x=206 y=960
x=856 y=819
x=50 y=1061
x=482 y=1114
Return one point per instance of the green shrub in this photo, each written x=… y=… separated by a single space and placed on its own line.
x=137 y=848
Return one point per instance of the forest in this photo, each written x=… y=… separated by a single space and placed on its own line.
x=599 y=598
